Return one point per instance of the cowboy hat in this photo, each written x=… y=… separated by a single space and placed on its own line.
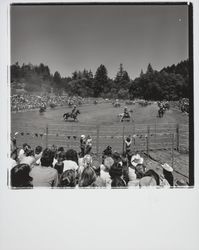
x=167 y=167
x=136 y=159
x=108 y=162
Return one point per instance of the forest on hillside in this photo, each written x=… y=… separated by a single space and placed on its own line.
x=170 y=83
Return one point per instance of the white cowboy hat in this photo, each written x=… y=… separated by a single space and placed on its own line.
x=167 y=167
x=136 y=159
x=83 y=136
x=108 y=162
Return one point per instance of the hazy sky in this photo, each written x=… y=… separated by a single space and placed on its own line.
x=69 y=38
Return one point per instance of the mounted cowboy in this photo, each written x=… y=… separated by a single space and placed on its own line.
x=73 y=111
x=126 y=114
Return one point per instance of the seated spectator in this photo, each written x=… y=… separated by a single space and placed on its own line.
x=106 y=153
x=28 y=156
x=118 y=182
x=68 y=178
x=44 y=175
x=59 y=166
x=71 y=160
x=153 y=174
x=20 y=177
x=167 y=173
x=136 y=159
x=13 y=158
x=108 y=162
x=139 y=171
x=22 y=151
x=147 y=181
x=87 y=178
x=99 y=182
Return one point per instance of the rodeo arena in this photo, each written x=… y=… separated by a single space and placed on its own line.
x=75 y=142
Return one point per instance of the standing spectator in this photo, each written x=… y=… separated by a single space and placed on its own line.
x=38 y=153
x=108 y=162
x=82 y=145
x=106 y=153
x=44 y=175
x=28 y=156
x=99 y=182
x=88 y=144
x=20 y=177
x=128 y=142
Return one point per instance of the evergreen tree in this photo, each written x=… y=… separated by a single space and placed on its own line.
x=100 y=80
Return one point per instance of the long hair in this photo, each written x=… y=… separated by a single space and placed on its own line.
x=68 y=178
x=88 y=176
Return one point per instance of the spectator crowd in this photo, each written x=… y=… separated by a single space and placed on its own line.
x=54 y=167
x=25 y=101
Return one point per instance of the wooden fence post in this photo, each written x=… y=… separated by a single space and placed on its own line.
x=123 y=139
x=177 y=137
x=172 y=150
x=147 y=140
x=97 y=142
x=46 y=135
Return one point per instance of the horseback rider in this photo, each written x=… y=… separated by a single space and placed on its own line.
x=126 y=113
x=73 y=110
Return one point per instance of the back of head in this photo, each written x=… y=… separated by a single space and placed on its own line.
x=118 y=182
x=71 y=154
x=116 y=170
x=68 y=178
x=139 y=171
x=20 y=176
x=88 y=177
x=47 y=157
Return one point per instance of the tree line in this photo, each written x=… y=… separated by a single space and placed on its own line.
x=170 y=83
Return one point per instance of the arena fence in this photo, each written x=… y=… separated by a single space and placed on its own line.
x=146 y=138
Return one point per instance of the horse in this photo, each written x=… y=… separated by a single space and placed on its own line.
x=42 y=109
x=161 y=112
x=70 y=115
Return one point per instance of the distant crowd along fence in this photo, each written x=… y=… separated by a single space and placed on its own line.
x=145 y=138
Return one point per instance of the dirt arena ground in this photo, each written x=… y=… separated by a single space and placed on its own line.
x=101 y=121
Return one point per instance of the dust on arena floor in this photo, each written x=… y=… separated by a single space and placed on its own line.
x=163 y=139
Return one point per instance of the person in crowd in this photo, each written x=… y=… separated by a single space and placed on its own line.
x=99 y=182
x=117 y=158
x=104 y=170
x=118 y=183
x=128 y=142
x=147 y=181
x=153 y=174
x=28 y=156
x=20 y=177
x=88 y=177
x=68 y=178
x=38 y=153
x=22 y=151
x=106 y=153
x=45 y=175
x=13 y=158
x=88 y=145
x=82 y=145
x=167 y=173
x=59 y=165
x=71 y=160
x=136 y=160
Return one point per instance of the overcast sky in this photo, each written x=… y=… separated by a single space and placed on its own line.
x=69 y=38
